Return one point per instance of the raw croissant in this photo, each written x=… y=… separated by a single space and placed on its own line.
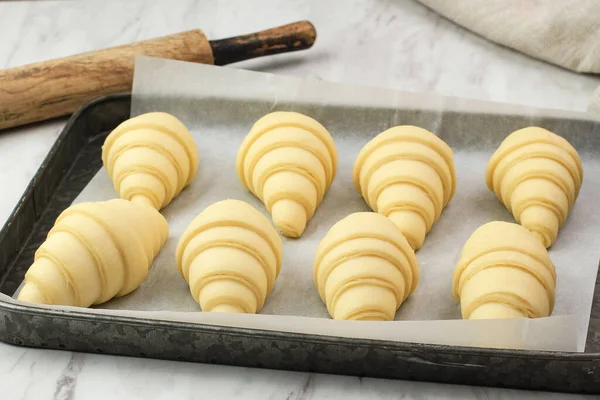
x=504 y=272
x=94 y=252
x=364 y=268
x=537 y=176
x=230 y=255
x=407 y=174
x=288 y=160
x=150 y=158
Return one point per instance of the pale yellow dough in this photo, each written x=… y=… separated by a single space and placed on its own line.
x=537 y=175
x=504 y=272
x=288 y=160
x=150 y=158
x=230 y=255
x=94 y=252
x=364 y=268
x=407 y=174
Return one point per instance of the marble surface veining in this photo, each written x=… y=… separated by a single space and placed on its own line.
x=396 y=44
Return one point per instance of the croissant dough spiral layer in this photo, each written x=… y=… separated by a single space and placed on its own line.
x=230 y=255
x=364 y=268
x=94 y=252
x=537 y=175
x=407 y=174
x=150 y=158
x=288 y=160
x=504 y=272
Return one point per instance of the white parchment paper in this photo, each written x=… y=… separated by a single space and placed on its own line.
x=219 y=105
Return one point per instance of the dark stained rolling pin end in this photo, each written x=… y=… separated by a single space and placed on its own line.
x=283 y=39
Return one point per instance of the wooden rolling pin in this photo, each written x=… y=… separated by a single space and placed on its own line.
x=54 y=88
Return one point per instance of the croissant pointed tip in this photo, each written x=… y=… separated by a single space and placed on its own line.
x=365 y=302
x=542 y=238
x=289 y=217
x=412 y=226
x=31 y=294
x=140 y=199
x=542 y=223
x=227 y=308
x=373 y=314
x=414 y=244
x=288 y=229
x=496 y=311
x=371 y=317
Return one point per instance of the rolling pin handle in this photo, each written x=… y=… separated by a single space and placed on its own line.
x=283 y=39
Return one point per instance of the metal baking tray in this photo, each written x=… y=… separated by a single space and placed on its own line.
x=74 y=160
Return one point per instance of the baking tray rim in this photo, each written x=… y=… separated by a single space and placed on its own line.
x=297 y=337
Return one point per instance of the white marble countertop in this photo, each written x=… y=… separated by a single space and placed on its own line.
x=396 y=44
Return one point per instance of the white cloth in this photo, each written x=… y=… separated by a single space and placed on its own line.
x=562 y=32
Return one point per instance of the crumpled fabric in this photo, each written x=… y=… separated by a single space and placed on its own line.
x=562 y=32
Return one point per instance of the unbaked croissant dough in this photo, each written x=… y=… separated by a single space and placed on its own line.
x=288 y=160
x=537 y=175
x=150 y=158
x=230 y=255
x=364 y=268
x=407 y=174
x=94 y=252
x=504 y=272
